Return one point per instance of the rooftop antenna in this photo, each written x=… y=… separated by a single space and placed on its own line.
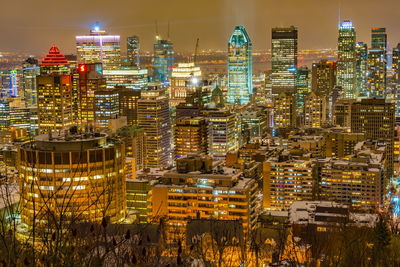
x=340 y=4
x=157 y=36
x=196 y=51
x=168 y=31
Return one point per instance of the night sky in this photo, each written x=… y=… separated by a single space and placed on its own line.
x=33 y=26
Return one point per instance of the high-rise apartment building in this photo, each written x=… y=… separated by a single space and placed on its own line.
x=375 y=118
x=284 y=60
x=163 y=61
x=284 y=110
x=356 y=180
x=190 y=136
x=54 y=93
x=99 y=47
x=153 y=117
x=285 y=181
x=346 y=65
x=133 y=48
x=315 y=108
x=240 y=67
x=377 y=64
x=361 y=69
x=223 y=135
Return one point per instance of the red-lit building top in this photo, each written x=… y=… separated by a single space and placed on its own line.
x=54 y=57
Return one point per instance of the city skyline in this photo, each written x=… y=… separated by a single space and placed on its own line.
x=211 y=22
x=228 y=133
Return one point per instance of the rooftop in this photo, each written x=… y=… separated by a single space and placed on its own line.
x=54 y=57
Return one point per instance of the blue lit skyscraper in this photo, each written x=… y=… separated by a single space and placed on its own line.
x=163 y=59
x=240 y=67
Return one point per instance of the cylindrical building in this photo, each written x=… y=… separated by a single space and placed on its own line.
x=77 y=177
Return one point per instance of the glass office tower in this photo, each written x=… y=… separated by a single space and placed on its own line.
x=240 y=68
x=132 y=48
x=99 y=47
x=346 y=65
x=361 y=69
x=377 y=63
x=284 y=60
x=163 y=60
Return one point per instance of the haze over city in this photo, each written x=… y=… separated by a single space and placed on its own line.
x=33 y=26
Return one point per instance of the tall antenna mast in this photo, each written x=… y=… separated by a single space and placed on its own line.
x=168 y=31
x=340 y=4
x=196 y=51
x=157 y=36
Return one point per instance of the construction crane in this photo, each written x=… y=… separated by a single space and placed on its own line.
x=195 y=51
x=157 y=36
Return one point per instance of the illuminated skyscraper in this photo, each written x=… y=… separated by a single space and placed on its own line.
x=396 y=78
x=163 y=60
x=154 y=119
x=90 y=80
x=133 y=47
x=361 y=69
x=346 y=65
x=303 y=86
x=184 y=80
x=54 y=93
x=240 y=67
x=98 y=47
x=30 y=70
x=284 y=60
x=379 y=38
x=12 y=81
x=377 y=64
x=106 y=102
